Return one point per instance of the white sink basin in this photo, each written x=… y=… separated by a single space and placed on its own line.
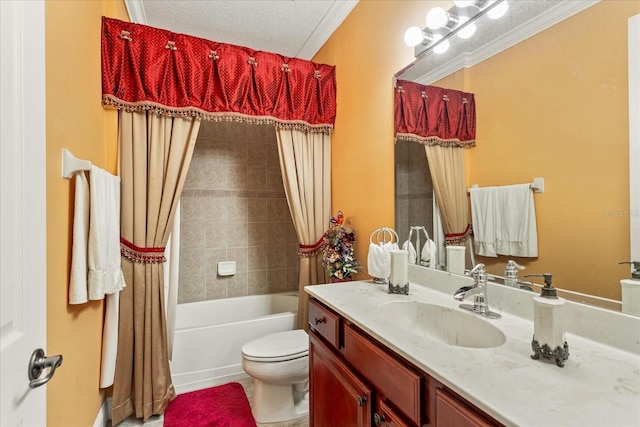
x=449 y=325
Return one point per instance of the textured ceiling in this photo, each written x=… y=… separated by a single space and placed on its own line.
x=294 y=28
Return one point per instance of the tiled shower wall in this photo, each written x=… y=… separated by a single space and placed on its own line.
x=234 y=209
x=414 y=189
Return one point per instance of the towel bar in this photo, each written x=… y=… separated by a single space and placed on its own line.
x=71 y=164
x=537 y=185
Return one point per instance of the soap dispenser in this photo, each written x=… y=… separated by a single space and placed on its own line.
x=631 y=290
x=548 y=324
x=511 y=273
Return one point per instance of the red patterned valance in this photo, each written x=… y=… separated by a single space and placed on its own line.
x=146 y=68
x=434 y=116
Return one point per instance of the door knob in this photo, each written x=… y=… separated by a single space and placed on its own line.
x=38 y=363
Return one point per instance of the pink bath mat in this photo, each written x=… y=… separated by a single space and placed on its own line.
x=221 y=406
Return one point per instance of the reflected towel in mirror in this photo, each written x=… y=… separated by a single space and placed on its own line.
x=504 y=221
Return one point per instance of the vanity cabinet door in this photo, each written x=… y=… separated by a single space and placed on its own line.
x=337 y=396
x=391 y=377
x=449 y=412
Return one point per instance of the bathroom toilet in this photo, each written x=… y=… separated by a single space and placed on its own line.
x=279 y=365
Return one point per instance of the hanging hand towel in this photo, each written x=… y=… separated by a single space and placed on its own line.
x=78 y=281
x=428 y=254
x=411 y=250
x=379 y=259
x=105 y=275
x=504 y=221
x=408 y=246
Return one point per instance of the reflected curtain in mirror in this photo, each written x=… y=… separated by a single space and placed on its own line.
x=443 y=121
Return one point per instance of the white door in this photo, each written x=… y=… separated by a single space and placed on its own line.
x=22 y=209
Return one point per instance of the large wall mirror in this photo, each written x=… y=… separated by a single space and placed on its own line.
x=555 y=104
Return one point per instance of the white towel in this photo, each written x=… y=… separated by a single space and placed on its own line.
x=105 y=275
x=78 y=281
x=428 y=254
x=110 y=340
x=379 y=259
x=95 y=264
x=411 y=251
x=504 y=221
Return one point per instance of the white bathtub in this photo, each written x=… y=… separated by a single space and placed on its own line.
x=210 y=335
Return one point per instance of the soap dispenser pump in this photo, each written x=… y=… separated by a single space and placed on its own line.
x=511 y=273
x=631 y=290
x=548 y=326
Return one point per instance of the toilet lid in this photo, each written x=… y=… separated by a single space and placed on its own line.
x=278 y=346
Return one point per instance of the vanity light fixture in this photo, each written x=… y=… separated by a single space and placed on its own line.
x=498 y=11
x=460 y=20
x=469 y=30
x=414 y=36
x=440 y=18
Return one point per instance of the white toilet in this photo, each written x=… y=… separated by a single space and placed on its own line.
x=279 y=364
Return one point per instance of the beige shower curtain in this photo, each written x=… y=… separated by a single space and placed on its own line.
x=155 y=152
x=446 y=164
x=305 y=161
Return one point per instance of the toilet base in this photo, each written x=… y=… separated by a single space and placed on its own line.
x=273 y=403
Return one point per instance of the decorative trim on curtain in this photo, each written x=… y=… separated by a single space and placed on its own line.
x=311 y=250
x=143 y=255
x=150 y=69
x=458 y=238
x=432 y=115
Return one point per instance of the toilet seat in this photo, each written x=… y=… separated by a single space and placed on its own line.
x=277 y=347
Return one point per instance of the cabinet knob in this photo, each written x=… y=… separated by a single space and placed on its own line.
x=378 y=419
x=362 y=400
x=320 y=320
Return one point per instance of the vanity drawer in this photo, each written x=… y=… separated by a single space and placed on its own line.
x=391 y=378
x=451 y=412
x=325 y=322
x=385 y=416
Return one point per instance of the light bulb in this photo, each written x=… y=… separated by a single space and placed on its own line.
x=463 y=3
x=467 y=31
x=442 y=47
x=413 y=36
x=436 y=18
x=499 y=10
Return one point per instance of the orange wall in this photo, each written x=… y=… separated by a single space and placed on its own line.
x=77 y=121
x=368 y=49
x=556 y=106
x=582 y=181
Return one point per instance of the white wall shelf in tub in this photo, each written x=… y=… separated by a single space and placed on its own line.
x=210 y=335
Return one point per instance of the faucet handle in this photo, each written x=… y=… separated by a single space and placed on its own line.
x=478 y=267
x=479 y=274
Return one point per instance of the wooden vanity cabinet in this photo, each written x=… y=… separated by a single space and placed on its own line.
x=357 y=381
x=337 y=396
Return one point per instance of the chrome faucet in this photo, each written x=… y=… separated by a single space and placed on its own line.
x=479 y=289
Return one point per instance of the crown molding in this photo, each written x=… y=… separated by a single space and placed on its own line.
x=135 y=10
x=336 y=14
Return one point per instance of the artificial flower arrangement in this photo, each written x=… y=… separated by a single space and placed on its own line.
x=337 y=249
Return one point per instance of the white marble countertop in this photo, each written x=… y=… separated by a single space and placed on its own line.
x=598 y=386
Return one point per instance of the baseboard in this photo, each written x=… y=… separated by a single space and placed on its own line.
x=104 y=415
